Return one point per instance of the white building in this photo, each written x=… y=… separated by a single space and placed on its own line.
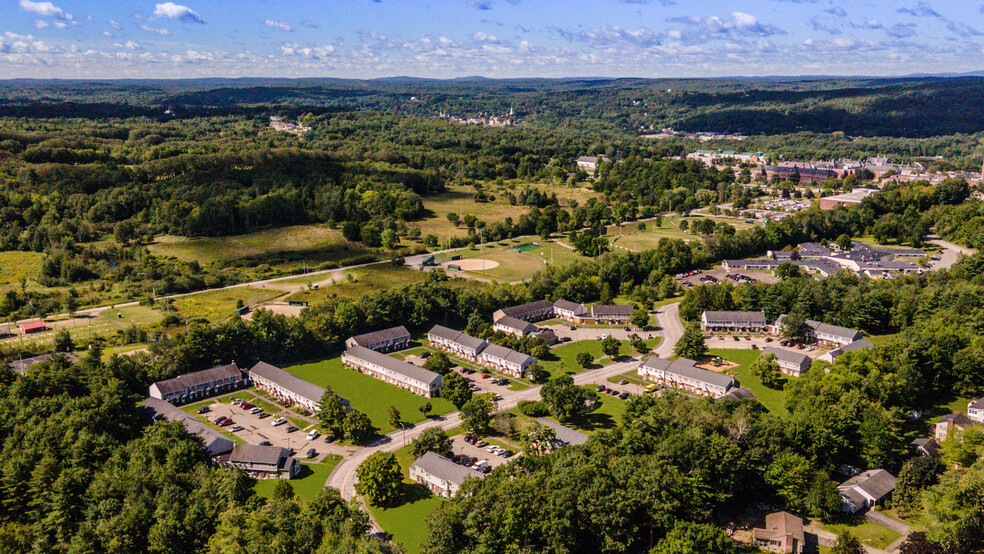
x=568 y=310
x=531 y=311
x=742 y=322
x=866 y=489
x=684 y=374
x=823 y=333
x=386 y=340
x=395 y=372
x=506 y=359
x=513 y=326
x=790 y=363
x=199 y=384
x=456 y=342
x=264 y=461
x=287 y=387
x=589 y=163
x=440 y=475
x=975 y=410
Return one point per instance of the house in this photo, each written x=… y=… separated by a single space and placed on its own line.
x=567 y=310
x=863 y=344
x=824 y=333
x=199 y=384
x=743 y=322
x=565 y=435
x=440 y=475
x=32 y=327
x=395 y=372
x=611 y=314
x=155 y=409
x=506 y=359
x=21 y=366
x=866 y=489
x=287 y=387
x=589 y=163
x=513 y=326
x=531 y=311
x=950 y=423
x=684 y=374
x=386 y=340
x=790 y=363
x=929 y=447
x=456 y=342
x=975 y=410
x=783 y=532
x=264 y=461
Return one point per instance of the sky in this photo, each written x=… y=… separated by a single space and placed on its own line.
x=493 y=38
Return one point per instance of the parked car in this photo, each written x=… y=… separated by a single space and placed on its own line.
x=507 y=453
x=573 y=328
x=600 y=388
x=278 y=421
x=736 y=339
x=246 y=406
x=485 y=376
x=293 y=428
x=623 y=382
x=265 y=443
x=204 y=410
x=486 y=469
x=470 y=462
x=467 y=371
x=313 y=434
x=799 y=347
x=624 y=395
x=237 y=428
x=329 y=438
x=256 y=410
x=220 y=419
x=425 y=354
x=311 y=453
x=236 y=401
x=225 y=423
x=768 y=339
x=565 y=339
x=262 y=415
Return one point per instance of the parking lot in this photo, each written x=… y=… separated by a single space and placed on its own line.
x=459 y=446
x=483 y=385
x=722 y=277
x=758 y=342
x=580 y=333
x=256 y=430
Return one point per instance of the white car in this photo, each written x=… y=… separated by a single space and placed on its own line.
x=313 y=435
x=278 y=421
x=255 y=411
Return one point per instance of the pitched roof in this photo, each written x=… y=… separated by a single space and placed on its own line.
x=522 y=309
x=31 y=325
x=288 y=381
x=564 y=433
x=406 y=369
x=782 y=524
x=929 y=445
x=739 y=393
x=957 y=419
x=610 y=309
x=507 y=354
x=786 y=355
x=862 y=344
x=20 y=366
x=445 y=469
x=744 y=317
x=685 y=367
x=256 y=454
x=976 y=404
x=875 y=482
x=567 y=305
x=188 y=380
x=382 y=335
x=155 y=409
x=517 y=324
x=456 y=337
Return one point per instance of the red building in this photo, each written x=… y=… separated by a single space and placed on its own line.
x=33 y=327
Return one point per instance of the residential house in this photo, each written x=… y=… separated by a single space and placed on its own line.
x=829 y=357
x=950 y=423
x=790 y=363
x=531 y=311
x=975 y=410
x=287 y=387
x=866 y=489
x=155 y=409
x=923 y=446
x=783 y=532
x=199 y=384
x=264 y=461
x=684 y=374
x=567 y=310
x=506 y=359
x=386 y=340
x=743 y=322
x=513 y=326
x=611 y=314
x=440 y=475
x=738 y=394
x=21 y=366
x=395 y=372
x=456 y=342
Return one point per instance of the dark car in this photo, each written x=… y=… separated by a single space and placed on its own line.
x=311 y=453
x=291 y=429
x=425 y=355
x=262 y=415
x=624 y=395
x=573 y=328
x=246 y=406
x=486 y=469
x=204 y=410
x=329 y=438
x=768 y=339
x=265 y=443
x=220 y=419
x=565 y=339
x=507 y=453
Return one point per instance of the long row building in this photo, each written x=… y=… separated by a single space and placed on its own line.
x=470 y=348
x=684 y=374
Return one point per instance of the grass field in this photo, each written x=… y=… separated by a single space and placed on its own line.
x=630 y=237
x=773 y=400
x=563 y=358
x=870 y=534
x=368 y=395
x=15 y=266
x=363 y=280
x=516 y=266
x=131 y=315
x=221 y=249
x=308 y=482
x=218 y=305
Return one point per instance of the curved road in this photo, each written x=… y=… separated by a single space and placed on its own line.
x=343 y=477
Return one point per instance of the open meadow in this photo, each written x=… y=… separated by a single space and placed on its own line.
x=353 y=283
x=220 y=304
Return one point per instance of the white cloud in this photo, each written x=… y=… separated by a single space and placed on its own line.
x=149 y=29
x=115 y=24
x=129 y=45
x=317 y=52
x=44 y=9
x=278 y=25
x=170 y=10
x=40 y=24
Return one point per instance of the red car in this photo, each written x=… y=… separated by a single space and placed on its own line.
x=226 y=423
x=485 y=376
x=246 y=406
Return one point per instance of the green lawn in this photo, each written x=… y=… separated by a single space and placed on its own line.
x=308 y=481
x=880 y=340
x=125 y=316
x=368 y=395
x=218 y=305
x=870 y=534
x=774 y=400
x=606 y=416
x=407 y=522
x=563 y=360
x=15 y=265
x=358 y=282
x=221 y=249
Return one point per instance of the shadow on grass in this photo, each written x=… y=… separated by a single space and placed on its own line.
x=409 y=493
x=305 y=471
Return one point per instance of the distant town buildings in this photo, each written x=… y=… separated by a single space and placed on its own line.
x=856 y=196
x=278 y=124
x=590 y=163
x=880 y=263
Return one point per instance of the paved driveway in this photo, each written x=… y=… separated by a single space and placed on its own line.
x=459 y=446
x=257 y=430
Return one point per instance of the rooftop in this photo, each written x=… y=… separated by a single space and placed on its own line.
x=747 y=317
x=875 y=482
x=445 y=469
x=256 y=454
x=610 y=309
x=786 y=355
x=507 y=354
x=393 y=333
x=515 y=323
x=155 y=409
x=456 y=337
x=539 y=305
x=685 y=367
x=406 y=369
x=288 y=381
x=188 y=380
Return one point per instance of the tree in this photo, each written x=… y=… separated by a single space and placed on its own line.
x=432 y=440
x=357 y=427
x=395 y=419
x=283 y=491
x=611 y=347
x=917 y=543
x=331 y=414
x=794 y=326
x=539 y=439
x=786 y=271
x=844 y=242
x=584 y=359
x=455 y=389
x=124 y=232
x=380 y=479
x=915 y=475
x=639 y=345
x=476 y=414
x=691 y=344
x=63 y=341
x=563 y=398
x=425 y=408
x=454 y=218
x=540 y=351
x=351 y=231
x=688 y=538
x=537 y=374
x=767 y=370
x=848 y=544
x=639 y=318
x=439 y=362
x=389 y=239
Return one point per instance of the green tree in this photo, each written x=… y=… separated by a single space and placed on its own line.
x=454 y=218
x=611 y=347
x=357 y=427
x=124 y=231
x=584 y=359
x=563 y=398
x=916 y=475
x=432 y=440
x=795 y=327
x=689 y=538
x=395 y=419
x=439 y=362
x=847 y=544
x=767 y=370
x=283 y=491
x=425 y=408
x=63 y=341
x=351 y=231
x=691 y=344
x=844 y=242
x=539 y=439
x=639 y=318
x=477 y=413
x=537 y=374
x=380 y=479
x=331 y=413
x=455 y=389
x=389 y=239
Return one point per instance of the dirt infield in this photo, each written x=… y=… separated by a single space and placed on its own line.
x=473 y=264
x=289 y=311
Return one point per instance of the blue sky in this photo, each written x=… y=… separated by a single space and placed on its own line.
x=494 y=38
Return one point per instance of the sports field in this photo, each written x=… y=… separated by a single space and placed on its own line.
x=503 y=264
x=355 y=283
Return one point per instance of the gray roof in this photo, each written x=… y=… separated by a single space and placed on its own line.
x=862 y=344
x=445 y=469
x=828 y=329
x=256 y=454
x=155 y=409
x=688 y=368
x=739 y=393
x=787 y=356
x=416 y=373
x=977 y=404
x=875 y=482
x=567 y=305
x=564 y=433
x=382 y=335
x=188 y=380
x=813 y=249
x=522 y=309
x=20 y=366
x=507 y=354
x=745 y=317
x=610 y=309
x=782 y=524
x=517 y=324
x=957 y=419
x=456 y=337
x=288 y=381
x=929 y=445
